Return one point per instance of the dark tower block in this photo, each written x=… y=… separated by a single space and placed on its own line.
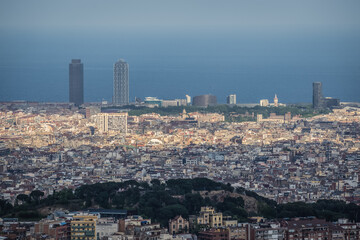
x=317 y=95
x=121 y=83
x=204 y=100
x=76 y=82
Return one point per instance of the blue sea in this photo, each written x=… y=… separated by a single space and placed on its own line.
x=170 y=64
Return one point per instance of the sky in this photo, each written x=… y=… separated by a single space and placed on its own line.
x=253 y=48
x=275 y=15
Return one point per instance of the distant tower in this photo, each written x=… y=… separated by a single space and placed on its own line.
x=276 y=101
x=231 y=99
x=188 y=100
x=121 y=83
x=76 y=82
x=317 y=95
x=184 y=114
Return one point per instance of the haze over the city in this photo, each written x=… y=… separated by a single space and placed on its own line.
x=251 y=48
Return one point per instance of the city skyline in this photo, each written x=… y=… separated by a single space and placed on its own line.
x=252 y=50
x=121 y=89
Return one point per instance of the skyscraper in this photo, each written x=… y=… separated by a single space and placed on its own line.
x=317 y=95
x=76 y=82
x=231 y=99
x=121 y=83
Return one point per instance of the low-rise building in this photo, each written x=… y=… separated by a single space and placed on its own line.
x=178 y=225
x=214 y=234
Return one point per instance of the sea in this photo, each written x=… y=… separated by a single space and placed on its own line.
x=170 y=64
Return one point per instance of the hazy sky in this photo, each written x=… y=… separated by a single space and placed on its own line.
x=181 y=47
x=272 y=15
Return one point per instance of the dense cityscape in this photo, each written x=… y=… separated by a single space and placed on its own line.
x=47 y=148
x=154 y=121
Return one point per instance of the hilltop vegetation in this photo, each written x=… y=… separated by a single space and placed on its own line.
x=162 y=201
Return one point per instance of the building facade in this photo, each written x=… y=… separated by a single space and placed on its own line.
x=208 y=216
x=178 y=225
x=83 y=227
x=312 y=229
x=105 y=227
x=204 y=100
x=76 y=82
x=276 y=101
x=231 y=99
x=111 y=122
x=56 y=230
x=317 y=95
x=214 y=234
x=121 y=83
x=330 y=102
x=188 y=99
x=264 y=103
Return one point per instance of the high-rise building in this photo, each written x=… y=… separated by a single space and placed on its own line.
x=76 y=82
x=231 y=99
x=121 y=83
x=188 y=99
x=323 y=102
x=317 y=95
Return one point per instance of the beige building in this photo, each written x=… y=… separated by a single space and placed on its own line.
x=264 y=102
x=178 y=225
x=208 y=216
x=83 y=227
x=276 y=101
x=230 y=223
x=111 y=122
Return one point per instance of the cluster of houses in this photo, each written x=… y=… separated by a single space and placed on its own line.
x=102 y=224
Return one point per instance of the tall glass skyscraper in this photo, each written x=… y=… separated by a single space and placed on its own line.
x=317 y=95
x=76 y=82
x=121 y=83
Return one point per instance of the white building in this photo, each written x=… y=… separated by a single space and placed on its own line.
x=231 y=99
x=264 y=102
x=106 y=227
x=111 y=122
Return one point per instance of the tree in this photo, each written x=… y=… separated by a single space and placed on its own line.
x=36 y=195
x=155 y=182
x=23 y=198
x=5 y=207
